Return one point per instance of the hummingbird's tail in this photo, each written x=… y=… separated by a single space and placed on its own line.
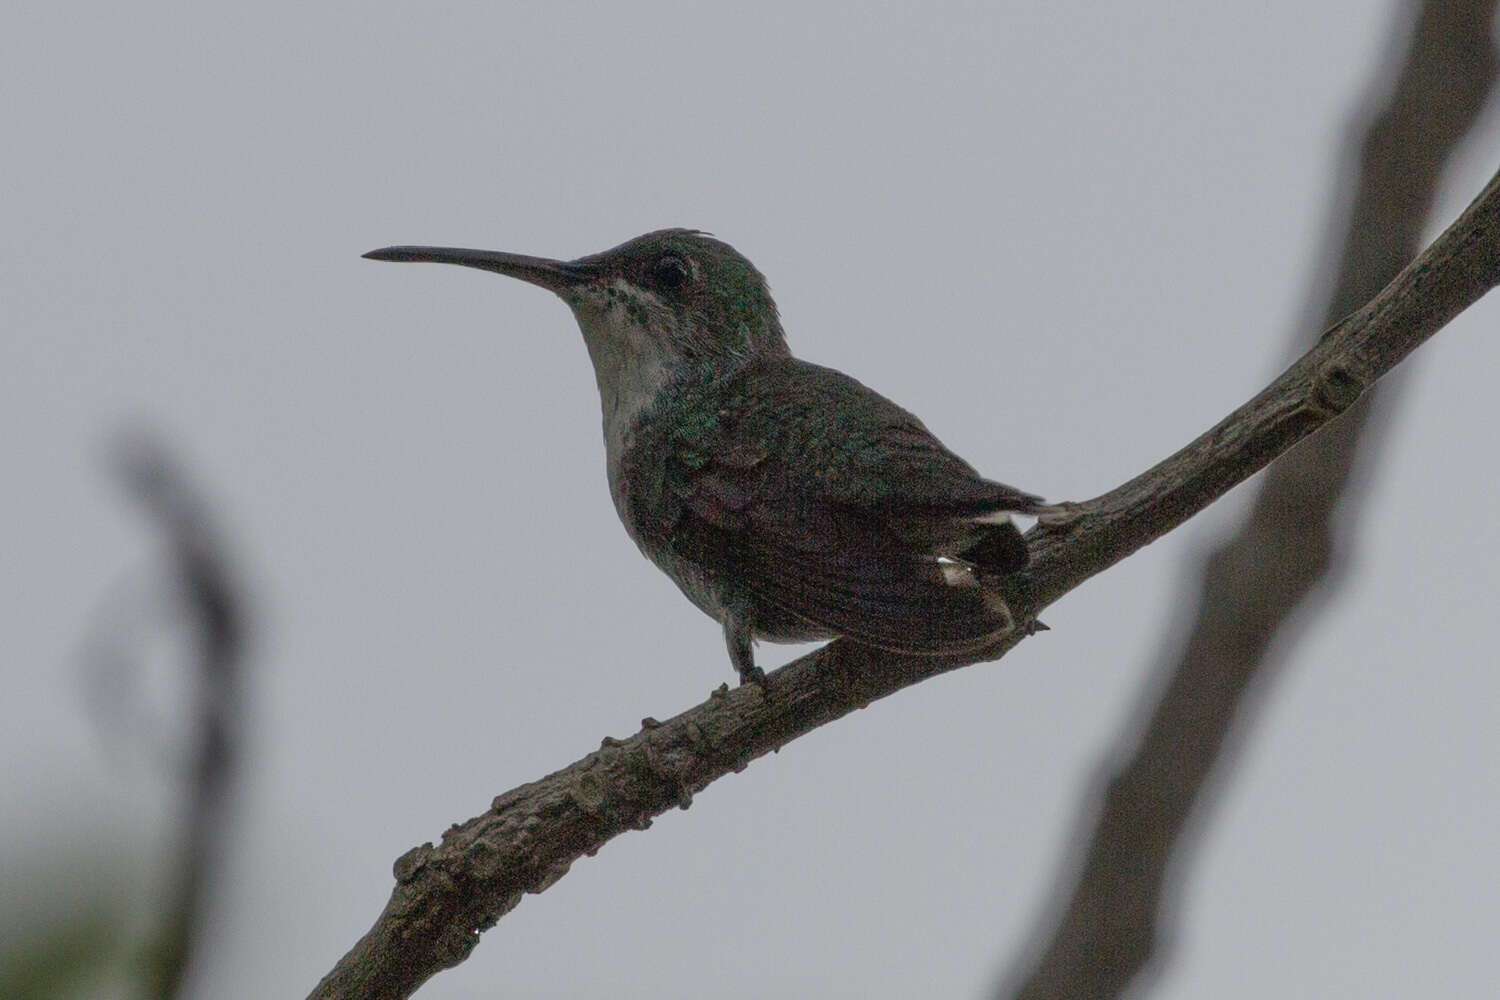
x=919 y=595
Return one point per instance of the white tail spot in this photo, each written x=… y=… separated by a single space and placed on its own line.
x=956 y=572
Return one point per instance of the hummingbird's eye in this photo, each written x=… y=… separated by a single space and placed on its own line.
x=670 y=272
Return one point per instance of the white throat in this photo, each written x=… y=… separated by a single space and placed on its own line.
x=632 y=365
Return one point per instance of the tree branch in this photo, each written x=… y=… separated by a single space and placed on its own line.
x=446 y=895
x=1102 y=929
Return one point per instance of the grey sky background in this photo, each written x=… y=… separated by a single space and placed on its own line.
x=1070 y=237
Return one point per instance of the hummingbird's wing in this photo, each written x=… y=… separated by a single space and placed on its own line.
x=823 y=507
x=839 y=441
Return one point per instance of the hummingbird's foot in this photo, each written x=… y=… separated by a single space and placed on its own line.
x=742 y=654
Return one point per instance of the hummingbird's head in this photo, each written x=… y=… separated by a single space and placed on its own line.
x=695 y=295
x=670 y=305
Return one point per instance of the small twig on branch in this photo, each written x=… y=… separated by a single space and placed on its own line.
x=1103 y=928
x=446 y=895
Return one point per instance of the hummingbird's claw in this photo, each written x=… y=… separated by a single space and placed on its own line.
x=742 y=652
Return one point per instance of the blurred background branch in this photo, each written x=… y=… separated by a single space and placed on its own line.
x=1103 y=927
x=93 y=946
x=207 y=591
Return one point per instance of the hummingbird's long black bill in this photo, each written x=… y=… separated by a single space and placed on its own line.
x=555 y=275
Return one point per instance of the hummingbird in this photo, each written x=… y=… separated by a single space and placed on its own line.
x=786 y=500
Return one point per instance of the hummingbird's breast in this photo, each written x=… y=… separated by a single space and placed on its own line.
x=651 y=480
x=639 y=484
